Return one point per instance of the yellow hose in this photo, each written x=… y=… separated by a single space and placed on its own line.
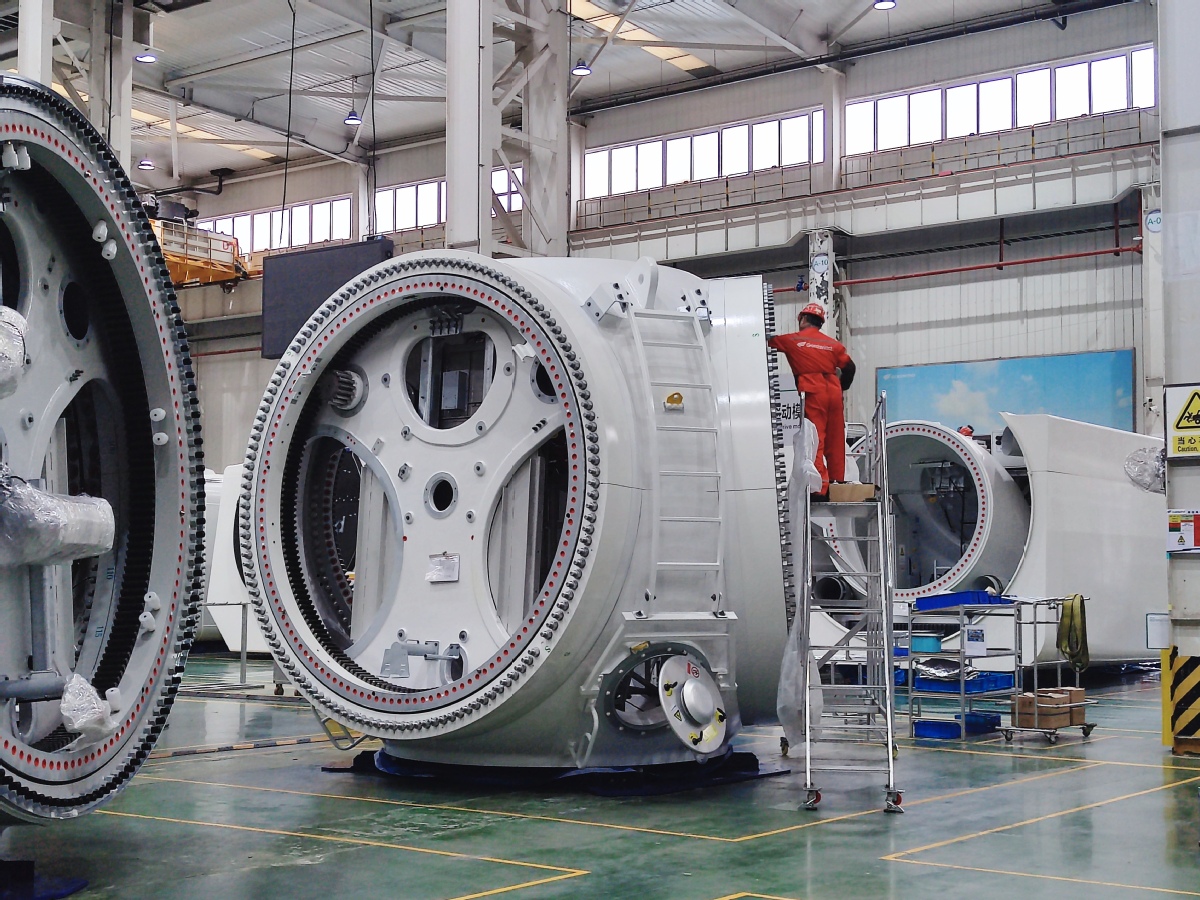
x=1072 y=633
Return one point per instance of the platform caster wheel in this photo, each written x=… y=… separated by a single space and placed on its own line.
x=784 y=746
x=279 y=690
x=1052 y=737
x=1008 y=736
x=1087 y=730
x=895 y=751
x=812 y=799
x=894 y=801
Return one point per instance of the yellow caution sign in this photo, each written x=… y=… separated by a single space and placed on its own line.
x=1183 y=420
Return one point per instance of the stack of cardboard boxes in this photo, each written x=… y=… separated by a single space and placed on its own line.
x=1054 y=707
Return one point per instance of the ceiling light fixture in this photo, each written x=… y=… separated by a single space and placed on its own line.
x=885 y=4
x=147 y=55
x=146 y=165
x=581 y=68
x=353 y=118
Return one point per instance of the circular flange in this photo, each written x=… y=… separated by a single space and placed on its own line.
x=105 y=346
x=692 y=702
x=385 y=673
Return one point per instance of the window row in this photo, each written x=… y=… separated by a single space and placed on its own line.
x=1028 y=98
x=420 y=205
x=277 y=229
x=736 y=150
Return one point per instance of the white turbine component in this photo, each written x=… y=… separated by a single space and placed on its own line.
x=961 y=520
x=489 y=544
x=88 y=349
x=226 y=589
x=1094 y=532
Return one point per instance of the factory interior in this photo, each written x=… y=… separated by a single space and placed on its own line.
x=683 y=449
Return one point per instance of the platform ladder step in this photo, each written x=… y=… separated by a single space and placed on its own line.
x=673 y=357
x=860 y=713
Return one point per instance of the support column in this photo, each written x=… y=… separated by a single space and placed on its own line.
x=828 y=176
x=548 y=152
x=97 y=63
x=35 y=37
x=1151 y=362
x=122 y=89
x=820 y=273
x=1179 y=104
x=471 y=135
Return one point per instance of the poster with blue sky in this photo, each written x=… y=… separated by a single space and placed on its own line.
x=1089 y=387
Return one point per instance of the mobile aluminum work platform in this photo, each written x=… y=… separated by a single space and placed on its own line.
x=862 y=713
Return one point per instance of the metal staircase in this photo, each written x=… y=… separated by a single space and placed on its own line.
x=688 y=505
x=863 y=712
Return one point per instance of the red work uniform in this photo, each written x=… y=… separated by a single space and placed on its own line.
x=815 y=358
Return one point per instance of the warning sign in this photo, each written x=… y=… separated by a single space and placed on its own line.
x=1183 y=420
x=1181 y=530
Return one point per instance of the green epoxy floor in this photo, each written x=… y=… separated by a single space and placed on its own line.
x=1111 y=816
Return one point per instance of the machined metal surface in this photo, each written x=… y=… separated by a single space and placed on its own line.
x=105 y=405
x=467 y=550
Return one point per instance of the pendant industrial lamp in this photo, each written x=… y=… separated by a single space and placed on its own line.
x=885 y=4
x=581 y=68
x=352 y=117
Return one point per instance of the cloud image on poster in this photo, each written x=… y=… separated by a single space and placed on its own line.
x=1092 y=387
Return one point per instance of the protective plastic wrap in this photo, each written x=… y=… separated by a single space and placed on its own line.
x=12 y=349
x=41 y=529
x=1147 y=468
x=789 y=704
x=85 y=712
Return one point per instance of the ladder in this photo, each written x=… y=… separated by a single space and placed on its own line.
x=687 y=503
x=862 y=713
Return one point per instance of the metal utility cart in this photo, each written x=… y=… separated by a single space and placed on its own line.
x=986 y=687
x=1033 y=618
x=861 y=713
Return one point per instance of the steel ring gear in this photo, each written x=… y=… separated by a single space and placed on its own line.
x=106 y=405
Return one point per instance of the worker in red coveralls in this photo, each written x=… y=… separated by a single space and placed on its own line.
x=823 y=370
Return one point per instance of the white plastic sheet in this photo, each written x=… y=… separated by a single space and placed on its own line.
x=793 y=673
x=85 y=712
x=12 y=349
x=41 y=529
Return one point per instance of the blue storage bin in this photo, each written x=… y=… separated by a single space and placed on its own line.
x=960 y=598
x=925 y=643
x=981 y=683
x=982 y=722
x=939 y=729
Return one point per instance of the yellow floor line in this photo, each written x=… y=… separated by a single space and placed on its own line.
x=1047 y=756
x=743 y=894
x=608 y=825
x=1047 y=817
x=1060 y=878
x=563 y=872
x=166 y=752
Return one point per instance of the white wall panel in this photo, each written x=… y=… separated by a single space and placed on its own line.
x=1061 y=307
x=231 y=386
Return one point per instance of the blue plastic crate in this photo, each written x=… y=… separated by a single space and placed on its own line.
x=960 y=598
x=925 y=643
x=939 y=729
x=982 y=722
x=980 y=684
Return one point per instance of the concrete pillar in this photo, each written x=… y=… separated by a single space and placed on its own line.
x=1179 y=104
x=35 y=39
x=820 y=273
x=471 y=135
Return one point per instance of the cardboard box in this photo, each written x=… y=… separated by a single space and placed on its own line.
x=1076 y=695
x=851 y=493
x=1052 y=710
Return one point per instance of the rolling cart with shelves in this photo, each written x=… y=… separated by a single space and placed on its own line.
x=1032 y=620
